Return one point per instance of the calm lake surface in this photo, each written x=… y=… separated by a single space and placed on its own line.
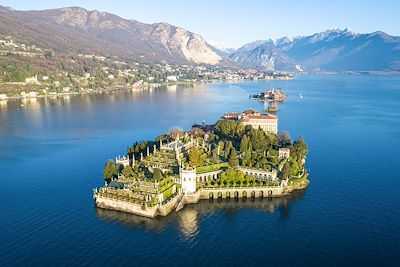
x=52 y=152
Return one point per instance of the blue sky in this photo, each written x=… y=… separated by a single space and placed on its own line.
x=237 y=22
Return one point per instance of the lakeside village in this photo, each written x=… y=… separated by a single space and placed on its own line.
x=27 y=71
x=241 y=156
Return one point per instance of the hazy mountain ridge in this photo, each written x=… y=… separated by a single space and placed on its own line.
x=263 y=56
x=331 y=50
x=75 y=29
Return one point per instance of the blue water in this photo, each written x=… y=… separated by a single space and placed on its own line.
x=52 y=153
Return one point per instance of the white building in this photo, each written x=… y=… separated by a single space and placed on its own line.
x=122 y=161
x=284 y=153
x=32 y=94
x=32 y=79
x=267 y=122
x=188 y=180
x=3 y=96
x=172 y=78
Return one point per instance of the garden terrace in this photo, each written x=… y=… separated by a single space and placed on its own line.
x=122 y=195
x=231 y=158
x=161 y=159
x=212 y=168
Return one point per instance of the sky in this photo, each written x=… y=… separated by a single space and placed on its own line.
x=235 y=23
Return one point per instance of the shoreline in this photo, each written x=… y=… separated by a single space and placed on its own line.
x=179 y=201
x=130 y=88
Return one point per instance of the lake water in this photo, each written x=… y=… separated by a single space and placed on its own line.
x=52 y=152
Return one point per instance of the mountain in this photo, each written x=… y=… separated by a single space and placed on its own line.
x=74 y=29
x=252 y=45
x=222 y=48
x=331 y=50
x=262 y=55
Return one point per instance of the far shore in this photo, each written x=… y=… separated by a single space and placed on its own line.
x=124 y=88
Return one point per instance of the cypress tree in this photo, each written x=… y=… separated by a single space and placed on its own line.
x=233 y=160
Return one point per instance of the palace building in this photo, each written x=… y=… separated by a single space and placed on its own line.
x=267 y=122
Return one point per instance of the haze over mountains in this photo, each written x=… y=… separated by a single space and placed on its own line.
x=331 y=50
x=78 y=30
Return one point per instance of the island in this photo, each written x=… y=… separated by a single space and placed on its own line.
x=273 y=95
x=242 y=155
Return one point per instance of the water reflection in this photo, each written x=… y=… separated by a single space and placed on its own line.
x=112 y=96
x=188 y=219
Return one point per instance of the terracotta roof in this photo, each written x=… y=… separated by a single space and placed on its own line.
x=263 y=117
x=231 y=114
x=249 y=111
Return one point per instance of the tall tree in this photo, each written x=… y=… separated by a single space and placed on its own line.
x=228 y=148
x=244 y=143
x=285 y=173
x=300 y=146
x=233 y=160
x=195 y=157
x=110 y=170
x=127 y=171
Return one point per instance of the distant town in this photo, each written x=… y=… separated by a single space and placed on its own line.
x=39 y=72
x=242 y=155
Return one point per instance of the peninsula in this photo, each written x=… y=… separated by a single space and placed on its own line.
x=242 y=155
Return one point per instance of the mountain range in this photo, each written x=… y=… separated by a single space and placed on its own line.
x=77 y=30
x=331 y=50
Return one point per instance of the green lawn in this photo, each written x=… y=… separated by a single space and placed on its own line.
x=214 y=167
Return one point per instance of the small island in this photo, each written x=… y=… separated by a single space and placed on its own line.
x=242 y=155
x=273 y=95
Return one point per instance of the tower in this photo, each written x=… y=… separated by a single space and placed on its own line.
x=188 y=179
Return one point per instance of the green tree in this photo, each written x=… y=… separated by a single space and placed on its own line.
x=285 y=173
x=228 y=128
x=195 y=157
x=244 y=143
x=48 y=54
x=157 y=174
x=259 y=140
x=301 y=147
x=127 y=171
x=233 y=160
x=228 y=148
x=110 y=170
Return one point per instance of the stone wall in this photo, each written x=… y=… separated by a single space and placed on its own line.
x=193 y=198
x=165 y=209
x=204 y=193
x=137 y=209
x=240 y=192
